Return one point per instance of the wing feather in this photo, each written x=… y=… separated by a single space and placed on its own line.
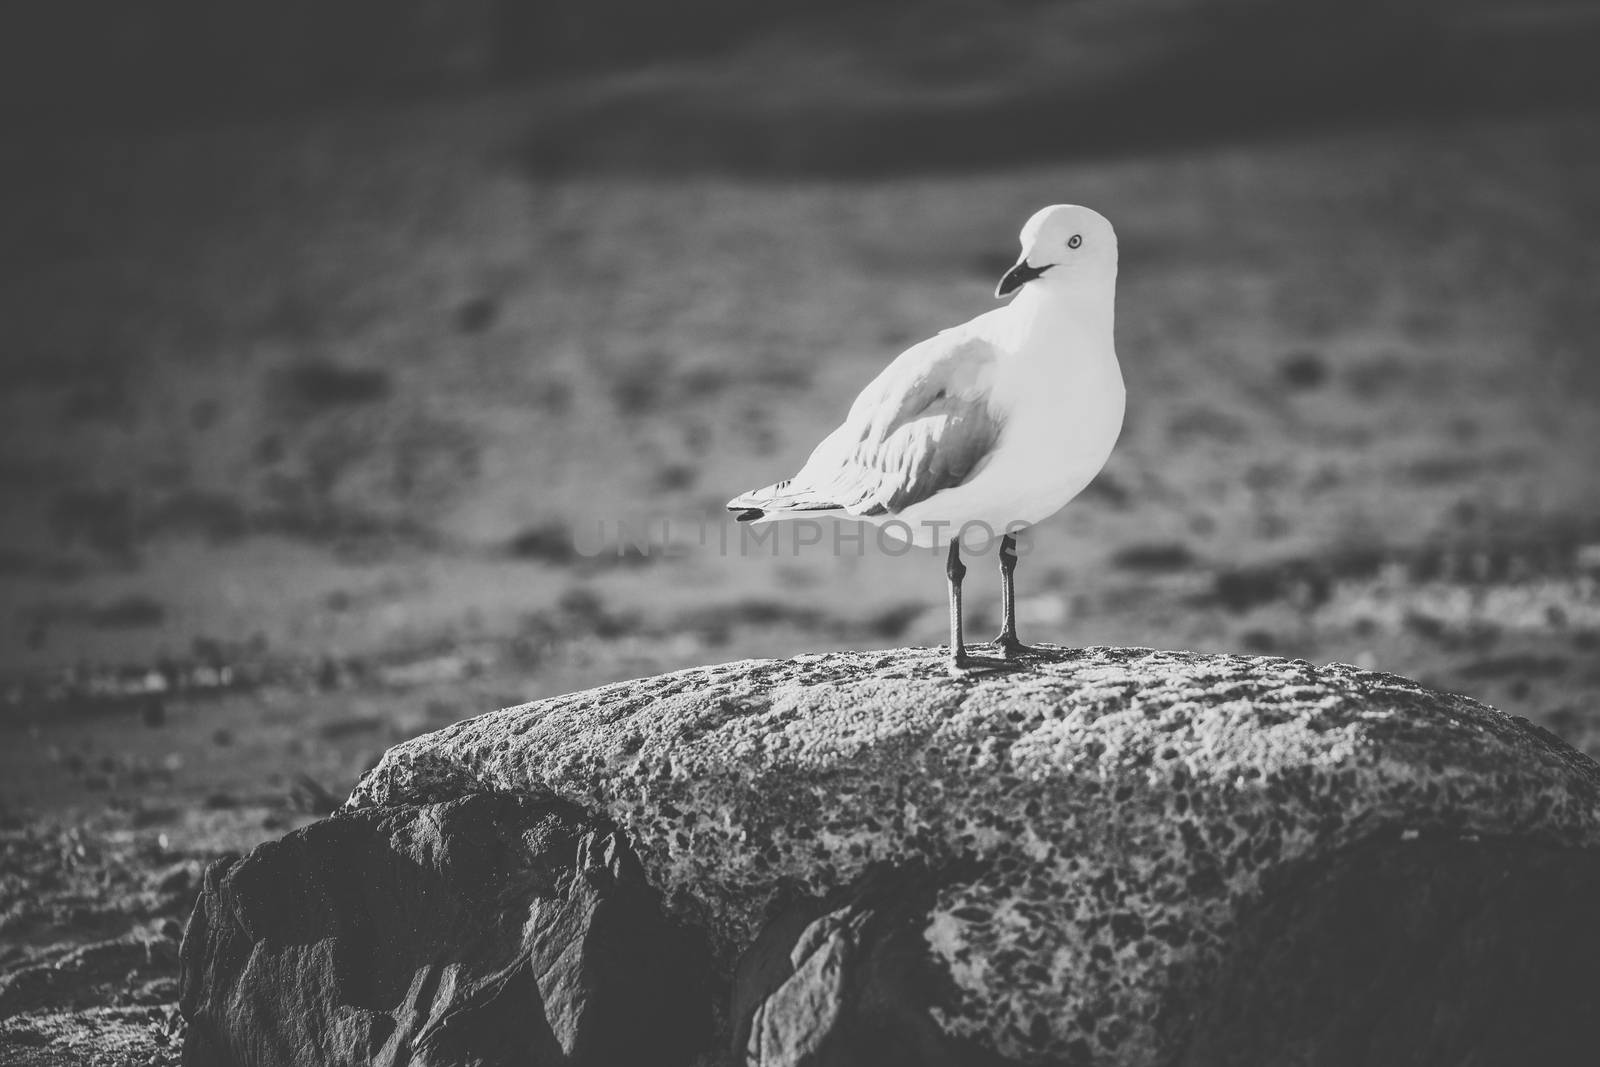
x=922 y=426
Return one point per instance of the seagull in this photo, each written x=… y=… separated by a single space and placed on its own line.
x=988 y=427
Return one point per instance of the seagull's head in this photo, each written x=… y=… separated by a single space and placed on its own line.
x=1064 y=246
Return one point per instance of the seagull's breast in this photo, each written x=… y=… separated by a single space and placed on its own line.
x=1064 y=421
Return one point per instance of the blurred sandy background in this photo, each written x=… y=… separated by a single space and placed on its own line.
x=331 y=332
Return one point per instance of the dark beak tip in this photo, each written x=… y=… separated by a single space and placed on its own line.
x=1016 y=278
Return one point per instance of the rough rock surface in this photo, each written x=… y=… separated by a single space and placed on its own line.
x=1125 y=812
x=485 y=931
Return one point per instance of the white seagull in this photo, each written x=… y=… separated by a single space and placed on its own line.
x=988 y=427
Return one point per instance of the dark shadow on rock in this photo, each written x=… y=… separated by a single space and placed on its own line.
x=1437 y=950
x=492 y=929
x=848 y=981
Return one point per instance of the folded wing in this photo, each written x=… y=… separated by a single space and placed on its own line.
x=924 y=425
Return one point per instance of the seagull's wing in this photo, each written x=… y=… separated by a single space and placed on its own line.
x=924 y=425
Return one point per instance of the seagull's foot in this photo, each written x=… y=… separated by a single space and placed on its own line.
x=966 y=666
x=1010 y=647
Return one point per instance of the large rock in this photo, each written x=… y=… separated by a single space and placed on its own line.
x=485 y=931
x=1111 y=856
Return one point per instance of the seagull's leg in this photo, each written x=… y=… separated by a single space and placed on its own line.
x=955 y=570
x=1008 y=642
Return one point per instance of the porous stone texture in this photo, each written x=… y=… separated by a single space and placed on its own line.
x=483 y=931
x=1123 y=810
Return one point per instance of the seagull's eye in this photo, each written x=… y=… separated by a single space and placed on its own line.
x=1075 y=240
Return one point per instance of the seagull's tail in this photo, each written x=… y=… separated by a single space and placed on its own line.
x=776 y=499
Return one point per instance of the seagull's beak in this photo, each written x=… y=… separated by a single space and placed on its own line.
x=1017 y=277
